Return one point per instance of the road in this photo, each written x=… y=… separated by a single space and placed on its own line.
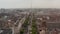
x=29 y=26
x=30 y=23
x=17 y=29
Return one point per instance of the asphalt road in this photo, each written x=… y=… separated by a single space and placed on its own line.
x=17 y=29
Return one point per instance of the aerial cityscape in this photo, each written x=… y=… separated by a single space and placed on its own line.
x=30 y=21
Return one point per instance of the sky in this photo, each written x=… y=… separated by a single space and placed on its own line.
x=29 y=3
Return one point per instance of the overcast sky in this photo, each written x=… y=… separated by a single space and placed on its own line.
x=27 y=3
